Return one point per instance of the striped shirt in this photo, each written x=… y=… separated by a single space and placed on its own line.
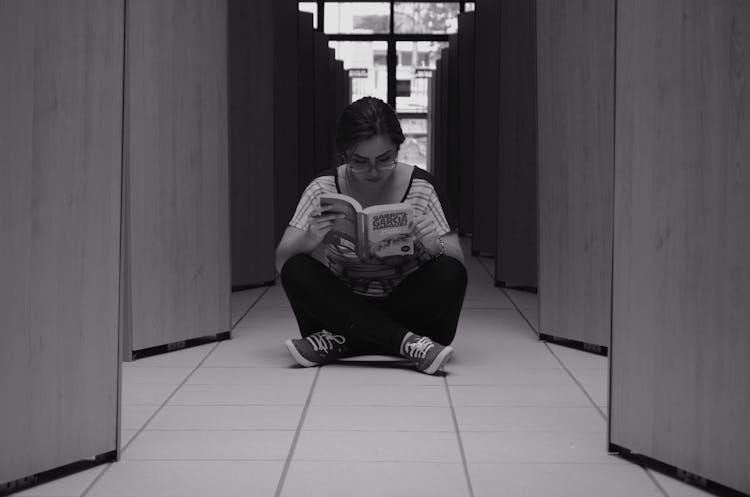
x=376 y=279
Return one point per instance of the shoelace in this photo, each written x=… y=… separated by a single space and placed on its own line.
x=419 y=349
x=323 y=340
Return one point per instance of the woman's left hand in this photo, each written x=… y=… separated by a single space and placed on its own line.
x=425 y=230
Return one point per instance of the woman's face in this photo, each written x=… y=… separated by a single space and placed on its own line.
x=373 y=160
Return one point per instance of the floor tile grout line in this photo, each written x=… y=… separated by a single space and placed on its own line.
x=656 y=482
x=143 y=426
x=219 y=429
x=458 y=437
x=284 y=430
x=295 y=439
x=548 y=347
x=158 y=410
x=263 y=294
x=515 y=306
x=198 y=459
x=572 y=376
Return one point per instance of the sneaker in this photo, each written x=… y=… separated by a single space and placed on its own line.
x=429 y=356
x=319 y=348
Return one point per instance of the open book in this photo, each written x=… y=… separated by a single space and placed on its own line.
x=379 y=230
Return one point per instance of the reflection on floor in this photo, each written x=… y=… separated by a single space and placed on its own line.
x=513 y=416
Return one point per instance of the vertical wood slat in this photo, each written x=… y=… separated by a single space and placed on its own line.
x=341 y=92
x=445 y=117
x=253 y=122
x=453 y=168
x=321 y=73
x=306 y=99
x=286 y=120
x=576 y=138
x=178 y=203
x=333 y=114
x=486 y=128
x=436 y=124
x=465 y=96
x=431 y=117
x=60 y=156
x=516 y=248
x=680 y=341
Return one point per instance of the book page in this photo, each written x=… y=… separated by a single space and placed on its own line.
x=390 y=229
x=344 y=231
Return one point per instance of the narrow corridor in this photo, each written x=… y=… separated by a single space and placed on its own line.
x=513 y=417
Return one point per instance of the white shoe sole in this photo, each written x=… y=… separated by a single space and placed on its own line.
x=440 y=360
x=297 y=356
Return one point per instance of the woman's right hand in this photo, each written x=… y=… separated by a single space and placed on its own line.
x=321 y=222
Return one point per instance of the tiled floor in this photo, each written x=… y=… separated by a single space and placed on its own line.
x=513 y=417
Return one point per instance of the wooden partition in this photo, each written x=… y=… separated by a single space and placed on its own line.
x=333 y=113
x=306 y=99
x=486 y=126
x=466 y=81
x=177 y=168
x=576 y=68
x=322 y=74
x=341 y=98
x=431 y=116
x=285 y=113
x=253 y=128
x=61 y=162
x=445 y=116
x=516 y=254
x=452 y=186
x=680 y=342
x=436 y=159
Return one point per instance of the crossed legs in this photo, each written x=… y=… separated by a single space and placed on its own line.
x=427 y=302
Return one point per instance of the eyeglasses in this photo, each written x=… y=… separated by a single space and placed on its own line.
x=361 y=165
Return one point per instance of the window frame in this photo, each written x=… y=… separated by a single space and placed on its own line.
x=391 y=38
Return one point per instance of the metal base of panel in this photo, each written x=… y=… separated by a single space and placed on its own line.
x=520 y=288
x=575 y=344
x=704 y=484
x=479 y=253
x=184 y=344
x=240 y=288
x=56 y=473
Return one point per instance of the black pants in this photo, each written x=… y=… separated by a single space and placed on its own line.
x=427 y=302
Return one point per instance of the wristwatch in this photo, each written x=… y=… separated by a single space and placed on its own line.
x=442 y=247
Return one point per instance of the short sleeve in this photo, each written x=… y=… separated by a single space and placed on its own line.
x=308 y=201
x=436 y=211
x=305 y=207
x=426 y=188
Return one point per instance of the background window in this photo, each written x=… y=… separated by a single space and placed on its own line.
x=357 y=18
x=425 y=18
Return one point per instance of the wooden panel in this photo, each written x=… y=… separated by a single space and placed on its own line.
x=436 y=125
x=452 y=186
x=576 y=140
x=342 y=89
x=60 y=156
x=177 y=158
x=332 y=106
x=680 y=341
x=321 y=73
x=253 y=162
x=306 y=99
x=517 y=247
x=286 y=126
x=466 y=120
x=487 y=84
x=431 y=117
x=445 y=116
